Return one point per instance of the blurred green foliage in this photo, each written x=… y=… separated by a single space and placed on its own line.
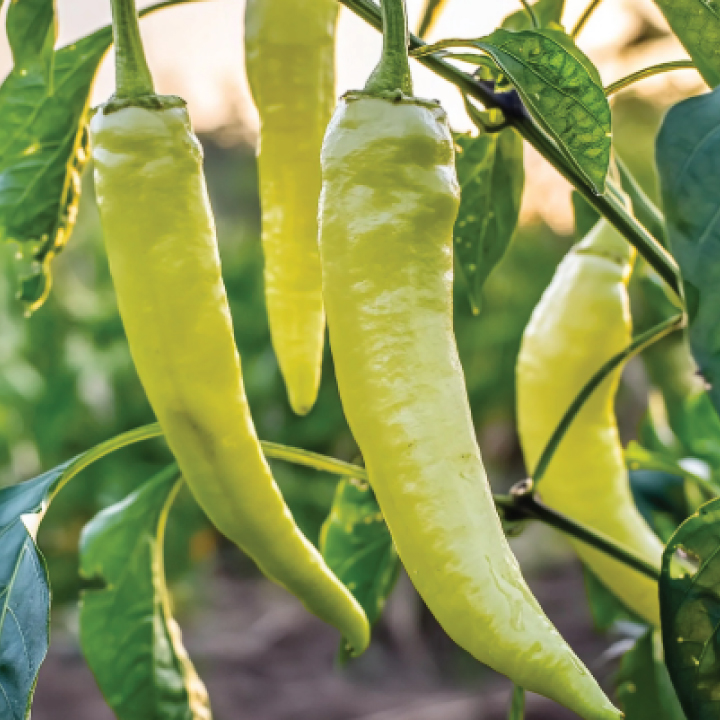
x=67 y=380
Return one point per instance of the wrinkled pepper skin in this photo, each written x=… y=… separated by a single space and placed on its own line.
x=388 y=204
x=290 y=59
x=161 y=244
x=582 y=320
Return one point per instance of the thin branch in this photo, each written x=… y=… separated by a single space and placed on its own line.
x=531 y=12
x=636 y=346
x=580 y=24
x=524 y=506
x=646 y=73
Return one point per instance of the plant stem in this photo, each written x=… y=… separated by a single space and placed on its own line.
x=393 y=71
x=132 y=74
x=643 y=207
x=580 y=24
x=531 y=12
x=646 y=73
x=521 y=504
x=636 y=346
x=526 y=506
x=608 y=206
x=432 y=9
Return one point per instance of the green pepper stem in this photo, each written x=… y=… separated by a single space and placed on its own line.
x=392 y=73
x=132 y=74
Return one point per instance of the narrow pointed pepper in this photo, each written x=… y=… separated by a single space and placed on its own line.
x=160 y=238
x=582 y=320
x=388 y=204
x=290 y=61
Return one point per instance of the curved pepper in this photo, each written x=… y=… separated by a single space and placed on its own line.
x=161 y=244
x=582 y=320
x=388 y=204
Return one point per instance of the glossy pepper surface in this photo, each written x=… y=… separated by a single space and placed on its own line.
x=582 y=320
x=162 y=249
x=388 y=204
x=290 y=59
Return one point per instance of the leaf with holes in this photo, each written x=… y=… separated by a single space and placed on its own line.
x=129 y=637
x=491 y=175
x=690 y=612
x=643 y=685
x=558 y=85
x=697 y=25
x=547 y=12
x=357 y=546
x=688 y=160
x=24 y=591
x=43 y=149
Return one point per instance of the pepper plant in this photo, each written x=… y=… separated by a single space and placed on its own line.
x=394 y=201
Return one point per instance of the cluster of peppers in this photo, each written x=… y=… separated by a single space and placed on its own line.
x=383 y=174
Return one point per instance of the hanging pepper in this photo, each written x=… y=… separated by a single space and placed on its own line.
x=290 y=59
x=582 y=320
x=161 y=244
x=388 y=204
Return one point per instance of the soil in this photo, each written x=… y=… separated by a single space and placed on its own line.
x=263 y=657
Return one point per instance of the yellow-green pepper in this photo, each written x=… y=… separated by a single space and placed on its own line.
x=583 y=320
x=161 y=244
x=290 y=59
x=388 y=204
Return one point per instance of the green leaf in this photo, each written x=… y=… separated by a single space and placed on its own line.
x=688 y=159
x=31 y=32
x=43 y=150
x=357 y=546
x=605 y=607
x=491 y=175
x=697 y=25
x=129 y=637
x=690 y=612
x=644 y=689
x=548 y=12
x=517 y=704
x=562 y=90
x=24 y=591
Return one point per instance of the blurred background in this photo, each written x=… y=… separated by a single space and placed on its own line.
x=67 y=383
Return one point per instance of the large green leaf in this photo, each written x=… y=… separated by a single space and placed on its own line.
x=43 y=149
x=690 y=612
x=644 y=688
x=492 y=177
x=688 y=159
x=548 y=12
x=357 y=546
x=697 y=25
x=24 y=591
x=558 y=85
x=128 y=635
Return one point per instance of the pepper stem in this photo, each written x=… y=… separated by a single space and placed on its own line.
x=132 y=74
x=392 y=73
